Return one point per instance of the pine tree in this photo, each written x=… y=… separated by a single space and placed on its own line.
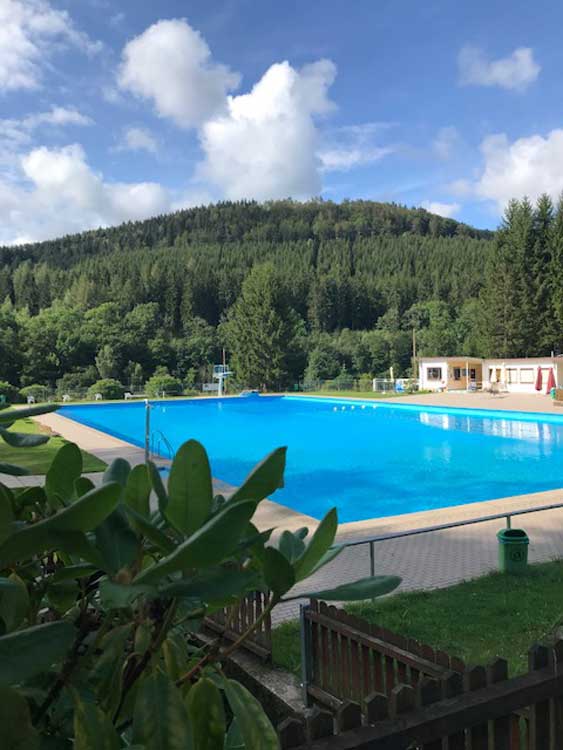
x=257 y=331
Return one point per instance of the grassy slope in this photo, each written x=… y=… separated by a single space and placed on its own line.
x=496 y=615
x=37 y=460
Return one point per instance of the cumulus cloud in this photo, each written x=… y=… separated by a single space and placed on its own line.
x=353 y=146
x=447 y=210
x=59 y=193
x=170 y=64
x=265 y=145
x=517 y=71
x=57 y=116
x=138 y=139
x=525 y=167
x=30 y=30
x=446 y=142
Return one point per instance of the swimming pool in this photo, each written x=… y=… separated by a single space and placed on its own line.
x=368 y=459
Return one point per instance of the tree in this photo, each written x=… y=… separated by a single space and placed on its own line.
x=108 y=362
x=259 y=330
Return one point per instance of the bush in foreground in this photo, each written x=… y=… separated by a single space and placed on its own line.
x=102 y=594
x=163 y=384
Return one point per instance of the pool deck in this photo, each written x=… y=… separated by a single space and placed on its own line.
x=426 y=561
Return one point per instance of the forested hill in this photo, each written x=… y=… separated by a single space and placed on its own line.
x=278 y=221
x=314 y=289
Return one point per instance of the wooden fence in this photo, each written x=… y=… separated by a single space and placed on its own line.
x=345 y=658
x=479 y=710
x=231 y=622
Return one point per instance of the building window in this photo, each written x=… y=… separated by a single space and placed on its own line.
x=434 y=373
x=472 y=374
x=527 y=375
x=457 y=373
x=511 y=375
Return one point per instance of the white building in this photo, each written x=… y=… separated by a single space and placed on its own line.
x=473 y=373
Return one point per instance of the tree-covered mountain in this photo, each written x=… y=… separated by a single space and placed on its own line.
x=337 y=287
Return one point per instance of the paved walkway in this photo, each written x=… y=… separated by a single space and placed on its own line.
x=425 y=561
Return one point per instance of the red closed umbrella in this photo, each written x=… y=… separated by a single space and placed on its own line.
x=550 y=381
x=539 y=380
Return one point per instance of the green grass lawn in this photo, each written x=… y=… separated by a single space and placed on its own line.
x=37 y=460
x=497 y=615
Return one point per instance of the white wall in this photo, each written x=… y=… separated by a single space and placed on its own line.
x=433 y=385
x=519 y=371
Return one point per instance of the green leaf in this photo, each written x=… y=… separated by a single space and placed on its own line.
x=117 y=542
x=190 y=491
x=6 y=511
x=233 y=740
x=28 y=652
x=255 y=727
x=93 y=729
x=138 y=490
x=160 y=718
x=10 y=415
x=291 y=546
x=264 y=479
x=119 y=596
x=16 y=729
x=14 y=602
x=365 y=588
x=63 y=596
x=13 y=470
x=158 y=486
x=83 y=485
x=205 y=708
x=118 y=471
x=147 y=528
x=73 y=572
x=83 y=515
x=215 y=586
x=211 y=544
x=328 y=556
x=278 y=572
x=31 y=496
x=65 y=469
x=77 y=544
x=320 y=542
x=22 y=439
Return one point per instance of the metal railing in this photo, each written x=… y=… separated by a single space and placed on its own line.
x=508 y=515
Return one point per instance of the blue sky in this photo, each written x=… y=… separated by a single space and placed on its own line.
x=118 y=110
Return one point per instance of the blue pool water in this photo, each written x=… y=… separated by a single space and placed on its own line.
x=369 y=460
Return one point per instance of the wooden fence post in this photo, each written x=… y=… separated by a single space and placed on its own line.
x=538 y=658
x=320 y=724
x=348 y=716
x=291 y=733
x=497 y=672
x=376 y=708
x=452 y=686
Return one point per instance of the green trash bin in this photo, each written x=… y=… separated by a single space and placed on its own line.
x=513 y=550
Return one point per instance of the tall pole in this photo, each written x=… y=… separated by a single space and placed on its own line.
x=147 y=430
x=414 y=370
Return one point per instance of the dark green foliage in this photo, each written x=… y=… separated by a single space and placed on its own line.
x=163 y=384
x=108 y=387
x=122 y=302
x=101 y=594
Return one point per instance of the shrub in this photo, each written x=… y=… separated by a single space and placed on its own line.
x=101 y=597
x=163 y=383
x=10 y=393
x=39 y=392
x=108 y=387
x=77 y=381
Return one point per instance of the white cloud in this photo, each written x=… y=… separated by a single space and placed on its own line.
x=30 y=30
x=265 y=146
x=526 y=167
x=447 y=210
x=446 y=142
x=57 y=116
x=138 y=139
x=170 y=64
x=59 y=193
x=517 y=71
x=353 y=146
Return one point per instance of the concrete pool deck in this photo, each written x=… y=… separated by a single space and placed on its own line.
x=426 y=561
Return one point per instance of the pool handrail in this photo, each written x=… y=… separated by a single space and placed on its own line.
x=442 y=527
